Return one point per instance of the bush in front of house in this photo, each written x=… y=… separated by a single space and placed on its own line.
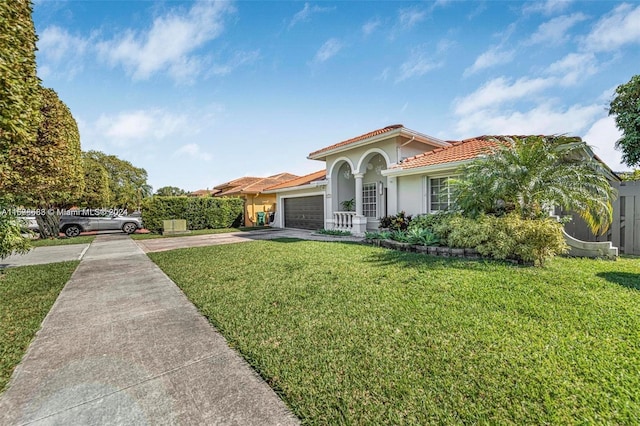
x=397 y=222
x=506 y=237
x=199 y=212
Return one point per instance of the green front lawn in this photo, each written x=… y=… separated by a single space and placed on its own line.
x=354 y=334
x=199 y=232
x=26 y=295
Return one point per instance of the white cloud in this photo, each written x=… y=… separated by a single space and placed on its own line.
x=555 y=30
x=418 y=64
x=410 y=16
x=602 y=136
x=306 y=13
x=548 y=7
x=542 y=119
x=329 y=49
x=491 y=58
x=59 y=50
x=141 y=125
x=238 y=59
x=170 y=43
x=193 y=150
x=573 y=68
x=370 y=26
x=619 y=27
x=500 y=90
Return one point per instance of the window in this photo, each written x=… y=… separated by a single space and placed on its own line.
x=440 y=194
x=369 y=200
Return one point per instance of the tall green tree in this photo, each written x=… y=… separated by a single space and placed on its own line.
x=19 y=88
x=127 y=184
x=626 y=108
x=170 y=191
x=52 y=166
x=19 y=108
x=96 y=179
x=532 y=174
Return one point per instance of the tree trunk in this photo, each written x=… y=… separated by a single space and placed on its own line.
x=48 y=224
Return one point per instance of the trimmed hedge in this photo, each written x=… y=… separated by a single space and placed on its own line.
x=199 y=212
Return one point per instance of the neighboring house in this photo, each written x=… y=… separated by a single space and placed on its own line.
x=386 y=171
x=251 y=190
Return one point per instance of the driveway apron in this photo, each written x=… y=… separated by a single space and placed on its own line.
x=123 y=345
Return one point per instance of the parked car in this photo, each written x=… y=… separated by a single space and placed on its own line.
x=29 y=223
x=73 y=224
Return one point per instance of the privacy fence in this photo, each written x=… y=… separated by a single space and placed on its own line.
x=625 y=230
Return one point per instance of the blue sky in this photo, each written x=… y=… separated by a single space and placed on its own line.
x=199 y=93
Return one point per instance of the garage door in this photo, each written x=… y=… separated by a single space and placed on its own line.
x=304 y=212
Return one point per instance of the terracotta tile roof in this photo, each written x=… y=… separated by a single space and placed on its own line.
x=251 y=185
x=302 y=180
x=458 y=151
x=358 y=138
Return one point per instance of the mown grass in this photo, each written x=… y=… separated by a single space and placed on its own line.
x=199 y=232
x=26 y=295
x=46 y=242
x=351 y=334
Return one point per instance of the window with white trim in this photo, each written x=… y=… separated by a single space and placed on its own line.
x=439 y=194
x=369 y=200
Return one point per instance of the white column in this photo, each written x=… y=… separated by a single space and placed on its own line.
x=358 y=178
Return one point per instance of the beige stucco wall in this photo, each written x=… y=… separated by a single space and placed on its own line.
x=411 y=194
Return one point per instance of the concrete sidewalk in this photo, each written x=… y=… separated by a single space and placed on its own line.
x=41 y=255
x=123 y=345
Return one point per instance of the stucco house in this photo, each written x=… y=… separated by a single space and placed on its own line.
x=251 y=190
x=385 y=171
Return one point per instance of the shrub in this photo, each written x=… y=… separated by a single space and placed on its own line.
x=428 y=221
x=506 y=237
x=421 y=236
x=199 y=212
x=399 y=236
x=398 y=222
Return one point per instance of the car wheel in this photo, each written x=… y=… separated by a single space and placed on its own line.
x=129 y=227
x=72 y=231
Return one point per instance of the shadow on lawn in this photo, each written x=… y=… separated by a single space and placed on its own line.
x=625 y=279
x=419 y=260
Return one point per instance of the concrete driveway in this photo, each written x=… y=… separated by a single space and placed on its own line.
x=164 y=244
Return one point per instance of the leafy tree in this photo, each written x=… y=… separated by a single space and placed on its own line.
x=96 y=178
x=530 y=175
x=170 y=191
x=19 y=106
x=634 y=175
x=19 y=88
x=127 y=183
x=626 y=107
x=52 y=166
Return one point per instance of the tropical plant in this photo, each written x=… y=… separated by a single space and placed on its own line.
x=335 y=232
x=348 y=205
x=626 y=108
x=397 y=222
x=530 y=175
x=422 y=236
x=399 y=236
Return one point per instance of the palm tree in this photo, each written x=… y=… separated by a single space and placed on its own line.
x=530 y=175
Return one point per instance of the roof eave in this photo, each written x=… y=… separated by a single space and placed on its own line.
x=434 y=168
x=386 y=135
x=309 y=185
